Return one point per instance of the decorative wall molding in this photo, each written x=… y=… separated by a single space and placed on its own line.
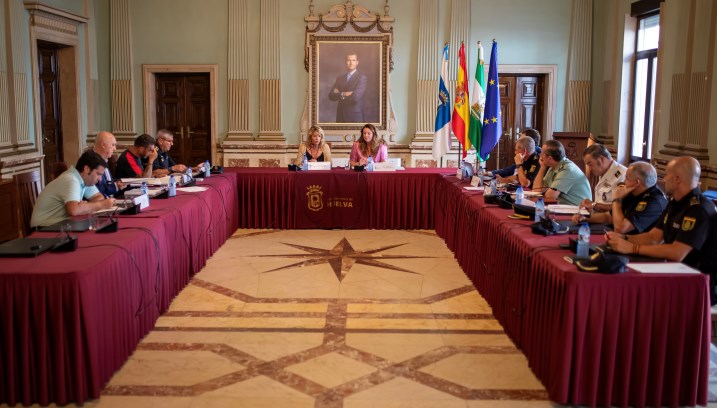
x=270 y=74
x=121 y=70
x=238 y=72
x=460 y=32
x=428 y=61
x=577 y=107
x=678 y=114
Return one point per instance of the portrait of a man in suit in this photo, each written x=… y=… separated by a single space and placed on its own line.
x=349 y=82
x=349 y=90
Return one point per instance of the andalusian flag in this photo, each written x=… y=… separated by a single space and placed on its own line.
x=478 y=105
x=492 y=122
x=442 y=129
x=461 y=108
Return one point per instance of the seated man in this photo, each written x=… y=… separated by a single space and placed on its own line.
x=510 y=170
x=164 y=164
x=686 y=231
x=562 y=179
x=600 y=163
x=527 y=163
x=130 y=163
x=636 y=206
x=63 y=197
x=105 y=146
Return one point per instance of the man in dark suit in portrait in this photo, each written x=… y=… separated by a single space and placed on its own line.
x=348 y=90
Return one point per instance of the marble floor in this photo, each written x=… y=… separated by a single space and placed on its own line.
x=327 y=319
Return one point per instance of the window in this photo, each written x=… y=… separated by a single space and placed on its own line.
x=645 y=75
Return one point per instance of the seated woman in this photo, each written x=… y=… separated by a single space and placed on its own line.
x=315 y=148
x=370 y=144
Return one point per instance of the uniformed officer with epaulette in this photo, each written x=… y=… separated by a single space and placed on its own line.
x=600 y=163
x=686 y=231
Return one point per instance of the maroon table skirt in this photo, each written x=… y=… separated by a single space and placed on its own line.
x=68 y=321
x=629 y=339
x=278 y=198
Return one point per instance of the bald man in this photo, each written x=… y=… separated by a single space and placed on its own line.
x=105 y=145
x=687 y=230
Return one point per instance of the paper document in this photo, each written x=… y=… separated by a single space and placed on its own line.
x=161 y=181
x=566 y=209
x=532 y=193
x=661 y=267
x=192 y=189
x=473 y=188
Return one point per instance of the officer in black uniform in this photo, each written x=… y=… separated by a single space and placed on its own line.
x=527 y=163
x=687 y=231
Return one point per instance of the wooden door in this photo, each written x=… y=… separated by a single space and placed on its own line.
x=50 y=112
x=521 y=104
x=183 y=108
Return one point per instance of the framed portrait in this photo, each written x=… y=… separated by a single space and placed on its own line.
x=348 y=80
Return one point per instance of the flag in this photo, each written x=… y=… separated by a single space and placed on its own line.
x=492 y=123
x=442 y=136
x=478 y=105
x=461 y=107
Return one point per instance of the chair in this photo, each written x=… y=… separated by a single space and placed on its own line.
x=29 y=186
x=56 y=169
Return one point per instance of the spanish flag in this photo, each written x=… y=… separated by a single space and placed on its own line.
x=461 y=106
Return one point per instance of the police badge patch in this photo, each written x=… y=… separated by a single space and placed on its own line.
x=532 y=169
x=688 y=223
x=641 y=206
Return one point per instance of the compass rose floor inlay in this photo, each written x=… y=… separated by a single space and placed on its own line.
x=327 y=319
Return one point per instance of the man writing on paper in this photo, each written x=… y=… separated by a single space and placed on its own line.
x=72 y=193
x=636 y=205
x=131 y=162
x=105 y=145
x=686 y=231
x=164 y=165
x=598 y=160
x=563 y=179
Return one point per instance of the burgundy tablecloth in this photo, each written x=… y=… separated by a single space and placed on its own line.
x=629 y=339
x=277 y=198
x=69 y=321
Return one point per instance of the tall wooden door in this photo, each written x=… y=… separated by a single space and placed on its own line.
x=521 y=105
x=50 y=112
x=184 y=108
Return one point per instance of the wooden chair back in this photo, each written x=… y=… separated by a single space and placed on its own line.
x=29 y=185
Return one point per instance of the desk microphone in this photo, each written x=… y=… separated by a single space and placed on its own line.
x=113 y=225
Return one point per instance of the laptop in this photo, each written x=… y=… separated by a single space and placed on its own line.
x=27 y=247
x=74 y=225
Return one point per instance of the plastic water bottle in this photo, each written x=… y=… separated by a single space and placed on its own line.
x=369 y=164
x=206 y=168
x=493 y=187
x=519 y=194
x=144 y=189
x=539 y=209
x=172 y=186
x=304 y=164
x=479 y=175
x=189 y=173
x=583 y=241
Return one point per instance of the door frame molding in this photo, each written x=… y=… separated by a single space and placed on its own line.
x=149 y=84
x=549 y=98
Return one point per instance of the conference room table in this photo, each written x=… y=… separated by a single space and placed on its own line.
x=69 y=320
x=591 y=339
x=628 y=339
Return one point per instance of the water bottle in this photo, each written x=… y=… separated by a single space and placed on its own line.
x=479 y=175
x=583 y=241
x=206 y=168
x=144 y=189
x=493 y=187
x=189 y=173
x=539 y=209
x=304 y=164
x=369 y=164
x=519 y=195
x=172 y=186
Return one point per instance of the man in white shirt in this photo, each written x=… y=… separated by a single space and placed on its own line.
x=598 y=160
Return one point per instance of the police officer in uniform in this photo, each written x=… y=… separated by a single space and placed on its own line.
x=686 y=231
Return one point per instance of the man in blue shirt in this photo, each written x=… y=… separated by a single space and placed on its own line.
x=72 y=193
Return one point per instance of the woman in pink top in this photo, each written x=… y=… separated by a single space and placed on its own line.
x=370 y=144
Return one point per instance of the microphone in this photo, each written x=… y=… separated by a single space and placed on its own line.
x=113 y=224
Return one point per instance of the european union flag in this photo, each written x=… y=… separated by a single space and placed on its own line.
x=492 y=122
